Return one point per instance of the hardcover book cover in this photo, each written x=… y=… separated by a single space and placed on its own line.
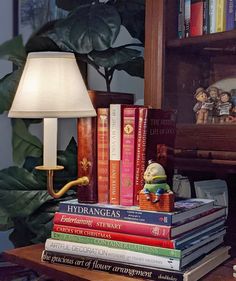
x=87 y=143
x=184 y=209
x=192 y=273
x=103 y=154
x=121 y=255
x=129 y=136
x=230 y=8
x=196 y=19
x=160 y=138
x=220 y=15
x=142 y=229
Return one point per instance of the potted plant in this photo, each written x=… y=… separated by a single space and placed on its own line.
x=20 y=184
x=90 y=31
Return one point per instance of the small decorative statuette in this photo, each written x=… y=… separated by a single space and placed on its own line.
x=213 y=97
x=202 y=107
x=224 y=107
x=156 y=193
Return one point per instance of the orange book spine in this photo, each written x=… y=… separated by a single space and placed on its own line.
x=103 y=154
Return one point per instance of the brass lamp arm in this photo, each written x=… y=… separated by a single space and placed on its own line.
x=50 y=171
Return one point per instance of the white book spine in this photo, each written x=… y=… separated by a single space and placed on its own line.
x=115 y=131
x=212 y=15
x=112 y=254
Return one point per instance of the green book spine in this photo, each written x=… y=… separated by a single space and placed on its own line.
x=155 y=251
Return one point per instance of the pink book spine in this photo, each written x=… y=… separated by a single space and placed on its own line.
x=128 y=155
x=103 y=154
x=121 y=226
x=109 y=235
x=140 y=152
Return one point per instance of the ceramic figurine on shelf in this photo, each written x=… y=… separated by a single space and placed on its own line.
x=202 y=107
x=156 y=194
x=213 y=97
x=224 y=107
x=155 y=181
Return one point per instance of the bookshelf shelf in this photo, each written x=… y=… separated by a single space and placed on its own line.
x=221 y=41
x=174 y=69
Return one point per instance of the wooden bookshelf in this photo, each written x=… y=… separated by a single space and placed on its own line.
x=30 y=257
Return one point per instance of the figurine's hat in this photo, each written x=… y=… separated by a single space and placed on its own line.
x=198 y=91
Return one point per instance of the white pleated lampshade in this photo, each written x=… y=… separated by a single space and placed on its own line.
x=51 y=86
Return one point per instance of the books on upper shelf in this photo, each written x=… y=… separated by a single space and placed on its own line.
x=205 y=17
x=191 y=273
x=184 y=209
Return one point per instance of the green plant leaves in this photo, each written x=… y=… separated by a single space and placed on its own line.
x=20 y=193
x=14 y=51
x=24 y=144
x=87 y=28
x=8 y=86
x=24 y=202
x=114 y=56
x=133 y=17
x=134 y=67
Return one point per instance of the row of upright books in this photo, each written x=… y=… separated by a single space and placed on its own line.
x=181 y=245
x=198 y=17
x=127 y=137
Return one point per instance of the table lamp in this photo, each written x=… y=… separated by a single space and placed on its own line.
x=52 y=87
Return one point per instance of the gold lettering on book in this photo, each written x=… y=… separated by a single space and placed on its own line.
x=85 y=164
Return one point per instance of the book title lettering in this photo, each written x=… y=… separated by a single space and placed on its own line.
x=93 y=211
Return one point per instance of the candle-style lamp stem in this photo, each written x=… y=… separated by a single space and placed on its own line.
x=83 y=181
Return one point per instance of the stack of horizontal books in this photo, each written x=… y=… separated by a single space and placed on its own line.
x=181 y=245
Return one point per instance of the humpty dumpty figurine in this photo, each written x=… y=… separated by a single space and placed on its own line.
x=201 y=108
x=155 y=181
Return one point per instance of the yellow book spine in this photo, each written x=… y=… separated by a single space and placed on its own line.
x=220 y=15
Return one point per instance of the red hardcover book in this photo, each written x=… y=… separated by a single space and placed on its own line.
x=129 y=135
x=103 y=154
x=151 y=241
x=140 y=152
x=196 y=19
x=161 y=131
x=87 y=164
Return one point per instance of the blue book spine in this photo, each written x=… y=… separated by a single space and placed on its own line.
x=230 y=14
x=234 y=1
x=117 y=213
